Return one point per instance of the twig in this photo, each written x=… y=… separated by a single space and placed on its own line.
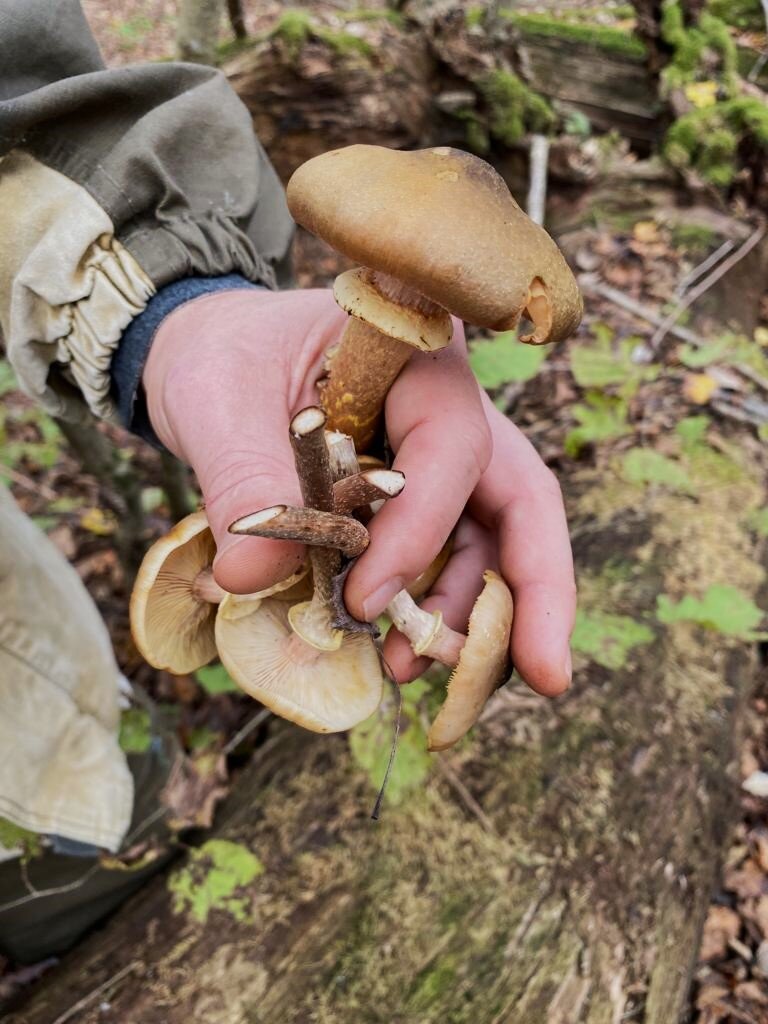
x=361 y=489
x=312 y=461
x=42 y=490
x=700 y=269
x=96 y=992
x=307 y=526
x=711 y=279
x=469 y=801
x=246 y=730
x=593 y=287
x=537 y=189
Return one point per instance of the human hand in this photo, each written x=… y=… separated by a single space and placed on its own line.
x=224 y=377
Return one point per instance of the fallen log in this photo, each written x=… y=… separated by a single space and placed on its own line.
x=554 y=870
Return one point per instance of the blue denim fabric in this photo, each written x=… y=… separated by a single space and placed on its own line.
x=131 y=355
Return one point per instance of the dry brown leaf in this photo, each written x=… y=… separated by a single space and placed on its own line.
x=194 y=788
x=699 y=388
x=752 y=992
x=748 y=881
x=760 y=915
x=721 y=925
x=758 y=841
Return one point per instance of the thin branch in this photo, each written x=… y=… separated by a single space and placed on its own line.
x=237 y=18
x=312 y=461
x=246 y=730
x=341 y=455
x=96 y=992
x=307 y=526
x=700 y=269
x=361 y=489
x=28 y=484
x=709 y=281
x=466 y=797
x=537 y=190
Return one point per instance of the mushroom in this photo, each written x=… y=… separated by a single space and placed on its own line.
x=480 y=660
x=174 y=599
x=437 y=232
x=321 y=690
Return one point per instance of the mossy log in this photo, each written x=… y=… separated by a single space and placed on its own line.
x=554 y=870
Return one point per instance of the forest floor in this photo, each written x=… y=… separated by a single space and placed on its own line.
x=607 y=394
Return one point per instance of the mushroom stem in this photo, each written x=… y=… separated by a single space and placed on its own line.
x=205 y=588
x=313 y=620
x=362 y=371
x=306 y=525
x=361 y=489
x=426 y=631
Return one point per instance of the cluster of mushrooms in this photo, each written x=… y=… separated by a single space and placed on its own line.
x=456 y=243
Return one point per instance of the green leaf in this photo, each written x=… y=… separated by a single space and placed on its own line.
x=604 y=363
x=152 y=498
x=371 y=742
x=691 y=430
x=646 y=466
x=212 y=880
x=504 y=359
x=713 y=351
x=135 y=731
x=215 y=679
x=13 y=837
x=600 y=418
x=723 y=609
x=608 y=639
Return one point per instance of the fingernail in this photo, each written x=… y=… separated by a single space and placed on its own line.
x=568 y=666
x=376 y=602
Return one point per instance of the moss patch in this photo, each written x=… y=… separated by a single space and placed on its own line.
x=297 y=27
x=514 y=108
x=212 y=880
x=601 y=37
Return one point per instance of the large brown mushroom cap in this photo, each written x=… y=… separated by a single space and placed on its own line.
x=324 y=691
x=172 y=628
x=444 y=222
x=482 y=667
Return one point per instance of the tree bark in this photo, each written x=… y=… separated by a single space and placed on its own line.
x=198 y=30
x=555 y=870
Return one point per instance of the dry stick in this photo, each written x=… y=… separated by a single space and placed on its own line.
x=307 y=526
x=361 y=489
x=711 y=279
x=313 y=466
x=81 y=1004
x=700 y=269
x=28 y=484
x=605 y=291
x=176 y=486
x=537 y=191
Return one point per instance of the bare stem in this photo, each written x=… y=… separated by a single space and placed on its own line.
x=341 y=455
x=426 y=631
x=307 y=526
x=363 y=488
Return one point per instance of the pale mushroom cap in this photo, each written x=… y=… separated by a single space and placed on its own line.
x=482 y=667
x=172 y=629
x=444 y=222
x=297 y=587
x=324 y=691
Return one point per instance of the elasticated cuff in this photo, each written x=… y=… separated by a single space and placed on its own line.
x=128 y=361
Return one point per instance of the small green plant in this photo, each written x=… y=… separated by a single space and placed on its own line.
x=296 y=27
x=606 y=363
x=600 y=418
x=647 y=466
x=215 y=679
x=608 y=639
x=14 y=837
x=502 y=360
x=371 y=742
x=135 y=730
x=722 y=609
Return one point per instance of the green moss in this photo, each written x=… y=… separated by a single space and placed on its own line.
x=602 y=37
x=513 y=107
x=212 y=878
x=695 y=239
x=432 y=983
x=14 y=836
x=378 y=14
x=693 y=46
x=708 y=140
x=296 y=27
x=474 y=16
x=608 y=639
x=739 y=13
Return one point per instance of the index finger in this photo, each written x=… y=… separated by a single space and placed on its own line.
x=520 y=497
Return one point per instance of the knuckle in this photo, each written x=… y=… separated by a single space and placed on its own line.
x=478 y=439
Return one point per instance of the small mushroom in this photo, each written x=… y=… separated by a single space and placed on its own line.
x=437 y=232
x=175 y=598
x=480 y=660
x=321 y=690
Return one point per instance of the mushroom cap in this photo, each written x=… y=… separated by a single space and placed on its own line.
x=173 y=629
x=296 y=587
x=357 y=294
x=442 y=221
x=482 y=667
x=324 y=691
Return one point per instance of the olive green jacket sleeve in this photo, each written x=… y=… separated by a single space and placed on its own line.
x=112 y=184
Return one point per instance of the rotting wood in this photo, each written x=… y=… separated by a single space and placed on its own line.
x=578 y=895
